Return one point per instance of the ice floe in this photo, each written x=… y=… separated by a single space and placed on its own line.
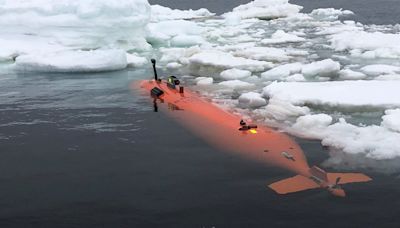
x=226 y=60
x=379 y=69
x=391 y=119
x=367 y=44
x=283 y=71
x=264 y=53
x=281 y=36
x=329 y=13
x=373 y=142
x=347 y=74
x=323 y=68
x=162 y=13
x=235 y=84
x=76 y=61
x=384 y=94
x=251 y=100
x=204 y=81
x=174 y=33
x=59 y=35
x=266 y=9
x=232 y=74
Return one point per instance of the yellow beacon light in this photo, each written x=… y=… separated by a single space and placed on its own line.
x=253 y=131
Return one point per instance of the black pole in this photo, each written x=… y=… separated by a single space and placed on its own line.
x=153 y=61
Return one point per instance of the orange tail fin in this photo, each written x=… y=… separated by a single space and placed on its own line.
x=294 y=184
x=300 y=183
x=348 y=177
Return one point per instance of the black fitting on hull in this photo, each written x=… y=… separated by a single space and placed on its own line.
x=153 y=61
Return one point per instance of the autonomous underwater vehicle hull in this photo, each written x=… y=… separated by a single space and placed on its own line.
x=230 y=132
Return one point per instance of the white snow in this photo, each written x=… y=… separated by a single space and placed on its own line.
x=162 y=13
x=337 y=93
x=36 y=31
x=329 y=13
x=282 y=110
x=283 y=71
x=225 y=60
x=80 y=24
x=324 y=68
x=204 y=81
x=367 y=44
x=378 y=69
x=280 y=37
x=391 y=119
x=175 y=33
x=251 y=100
x=263 y=53
x=133 y=60
x=177 y=54
x=266 y=9
x=348 y=74
x=74 y=61
x=296 y=78
x=388 y=77
x=234 y=73
x=235 y=84
x=312 y=125
x=375 y=142
x=186 y=40
x=232 y=19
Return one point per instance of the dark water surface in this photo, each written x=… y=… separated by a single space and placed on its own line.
x=86 y=150
x=366 y=11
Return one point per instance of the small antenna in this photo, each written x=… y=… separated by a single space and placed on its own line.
x=153 y=61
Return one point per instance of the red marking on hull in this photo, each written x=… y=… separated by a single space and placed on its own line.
x=221 y=129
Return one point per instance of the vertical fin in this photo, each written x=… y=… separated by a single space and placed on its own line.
x=319 y=173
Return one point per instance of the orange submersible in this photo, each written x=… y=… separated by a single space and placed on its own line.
x=230 y=132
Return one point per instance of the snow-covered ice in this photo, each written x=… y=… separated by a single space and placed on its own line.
x=367 y=44
x=162 y=13
x=266 y=9
x=234 y=73
x=226 y=60
x=75 y=61
x=282 y=71
x=58 y=35
x=379 y=69
x=204 y=81
x=251 y=100
x=235 y=84
x=330 y=13
x=391 y=119
x=338 y=93
x=264 y=53
x=280 y=37
x=174 y=33
x=347 y=74
x=324 y=68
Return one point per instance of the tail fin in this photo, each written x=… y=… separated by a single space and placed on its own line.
x=300 y=183
x=294 y=184
x=346 y=178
